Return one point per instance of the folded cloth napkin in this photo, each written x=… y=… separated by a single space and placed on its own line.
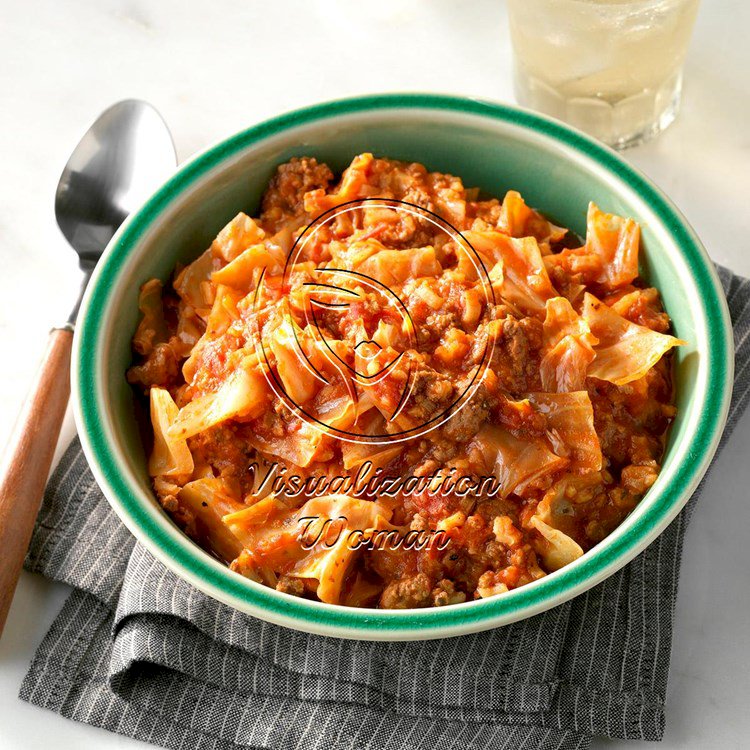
x=138 y=651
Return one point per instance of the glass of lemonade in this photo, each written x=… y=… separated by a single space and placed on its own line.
x=612 y=68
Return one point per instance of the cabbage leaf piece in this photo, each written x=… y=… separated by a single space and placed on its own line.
x=170 y=456
x=244 y=394
x=193 y=283
x=236 y=237
x=395 y=267
x=209 y=499
x=517 y=219
x=312 y=542
x=555 y=548
x=568 y=348
x=517 y=462
x=242 y=271
x=626 y=351
x=615 y=241
x=518 y=269
x=570 y=428
x=329 y=562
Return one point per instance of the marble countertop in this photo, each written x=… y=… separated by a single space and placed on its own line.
x=212 y=69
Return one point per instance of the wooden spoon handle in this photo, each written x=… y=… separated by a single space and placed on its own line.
x=27 y=460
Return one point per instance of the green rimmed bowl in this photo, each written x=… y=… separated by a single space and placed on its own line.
x=494 y=147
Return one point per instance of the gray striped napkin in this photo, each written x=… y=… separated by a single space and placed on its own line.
x=138 y=651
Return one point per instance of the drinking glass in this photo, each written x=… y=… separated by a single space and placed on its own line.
x=612 y=68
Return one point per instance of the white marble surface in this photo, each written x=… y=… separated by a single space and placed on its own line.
x=213 y=68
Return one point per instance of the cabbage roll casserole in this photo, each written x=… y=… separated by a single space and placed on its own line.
x=390 y=390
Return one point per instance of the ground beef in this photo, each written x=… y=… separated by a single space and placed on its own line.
x=407 y=593
x=293 y=586
x=431 y=394
x=446 y=593
x=161 y=368
x=284 y=198
x=466 y=421
x=516 y=355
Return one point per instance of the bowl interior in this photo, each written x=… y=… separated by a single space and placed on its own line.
x=494 y=154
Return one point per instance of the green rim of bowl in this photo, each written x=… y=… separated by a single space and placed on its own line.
x=182 y=555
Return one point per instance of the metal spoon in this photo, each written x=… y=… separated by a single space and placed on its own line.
x=119 y=162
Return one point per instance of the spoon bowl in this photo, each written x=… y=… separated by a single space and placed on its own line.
x=125 y=154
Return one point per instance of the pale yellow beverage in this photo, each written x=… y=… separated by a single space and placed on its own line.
x=610 y=67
